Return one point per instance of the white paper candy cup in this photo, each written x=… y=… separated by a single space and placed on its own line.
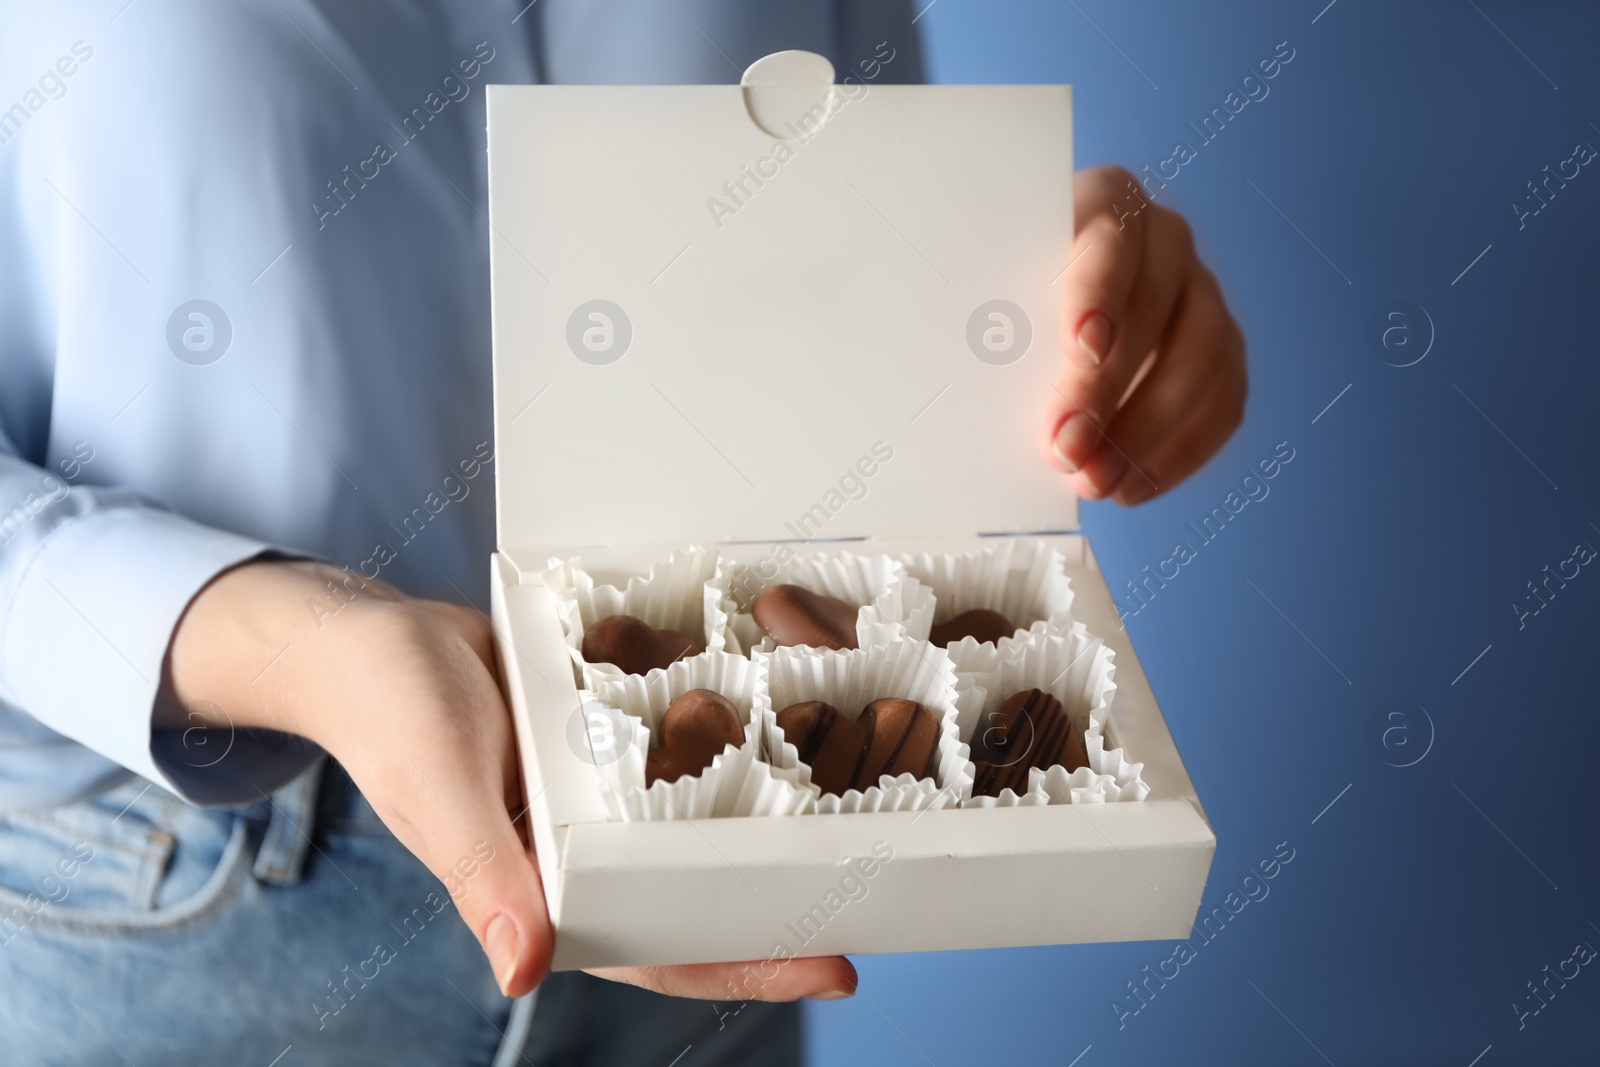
x=1077 y=669
x=737 y=782
x=1115 y=777
x=892 y=604
x=683 y=594
x=1023 y=579
x=1034 y=797
x=1083 y=786
x=849 y=680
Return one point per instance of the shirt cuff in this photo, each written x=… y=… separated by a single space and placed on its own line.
x=84 y=640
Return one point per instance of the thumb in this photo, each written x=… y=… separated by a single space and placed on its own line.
x=496 y=889
x=457 y=820
x=471 y=835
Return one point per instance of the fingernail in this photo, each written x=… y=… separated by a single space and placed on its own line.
x=1094 y=337
x=1076 y=441
x=500 y=941
x=829 y=994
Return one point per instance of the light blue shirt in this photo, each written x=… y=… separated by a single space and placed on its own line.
x=244 y=306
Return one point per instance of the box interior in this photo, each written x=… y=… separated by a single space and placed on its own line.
x=1145 y=883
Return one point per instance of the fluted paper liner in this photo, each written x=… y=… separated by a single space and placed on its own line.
x=849 y=680
x=892 y=604
x=737 y=783
x=683 y=593
x=1077 y=669
x=1023 y=579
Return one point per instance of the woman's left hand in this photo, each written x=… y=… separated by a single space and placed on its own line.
x=1136 y=294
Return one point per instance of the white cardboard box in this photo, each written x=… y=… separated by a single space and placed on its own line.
x=744 y=360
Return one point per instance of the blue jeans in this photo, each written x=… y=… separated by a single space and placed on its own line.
x=136 y=928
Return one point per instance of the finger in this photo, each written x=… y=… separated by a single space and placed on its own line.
x=502 y=900
x=1102 y=266
x=446 y=792
x=1191 y=401
x=475 y=849
x=1200 y=337
x=820 y=978
x=468 y=841
x=1090 y=395
x=1196 y=441
x=1105 y=261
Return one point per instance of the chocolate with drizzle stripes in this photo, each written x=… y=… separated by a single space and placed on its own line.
x=907 y=730
x=1031 y=729
x=892 y=736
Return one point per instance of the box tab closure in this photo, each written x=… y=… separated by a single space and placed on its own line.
x=785 y=84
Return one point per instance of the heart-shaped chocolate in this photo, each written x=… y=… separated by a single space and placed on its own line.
x=891 y=736
x=981 y=623
x=694 y=730
x=635 y=646
x=791 y=615
x=1031 y=729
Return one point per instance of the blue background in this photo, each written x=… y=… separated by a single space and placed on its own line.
x=1392 y=548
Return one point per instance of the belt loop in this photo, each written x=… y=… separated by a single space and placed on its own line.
x=282 y=854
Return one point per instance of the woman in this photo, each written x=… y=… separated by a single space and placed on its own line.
x=244 y=427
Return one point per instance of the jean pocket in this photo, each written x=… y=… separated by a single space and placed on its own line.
x=136 y=858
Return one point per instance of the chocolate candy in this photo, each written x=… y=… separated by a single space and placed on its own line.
x=827 y=741
x=891 y=736
x=981 y=623
x=901 y=736
x=635 y=646
x=1031 y=729
x=791 y=615
x=694 y=730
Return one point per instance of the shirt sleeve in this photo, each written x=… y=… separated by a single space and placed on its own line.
x=96 y=565
x=93 y=582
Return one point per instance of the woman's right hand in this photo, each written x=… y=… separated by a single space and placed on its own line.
x=405 y=694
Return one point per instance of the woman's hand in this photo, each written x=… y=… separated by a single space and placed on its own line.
x=405 y=694
x=1137 y=294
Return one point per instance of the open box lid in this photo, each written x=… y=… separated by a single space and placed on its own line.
x=705 y=332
